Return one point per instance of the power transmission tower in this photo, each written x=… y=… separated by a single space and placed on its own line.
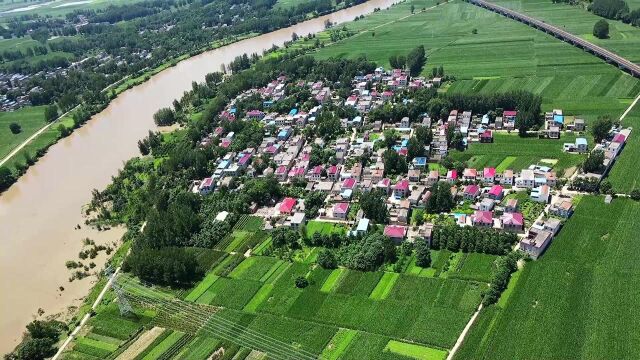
x=123 y=302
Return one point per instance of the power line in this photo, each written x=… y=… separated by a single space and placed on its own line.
x=223 y=331
x=215 y=324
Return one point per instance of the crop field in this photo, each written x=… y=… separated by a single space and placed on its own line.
x=342 y=314
x=623 y=39
x=503 y=55
x=31 y=119
x=415 y=351
x=246 y=234
x=509 y=151
x=580 y=300
x=325 y=228
x=473 y=266
x=624 y=175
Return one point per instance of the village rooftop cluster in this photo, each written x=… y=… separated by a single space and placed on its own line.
x=484 y=190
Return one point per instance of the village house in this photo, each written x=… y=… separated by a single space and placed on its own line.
x=401 y=189
x=495 y=192
x=287 y=206
x=414 y=175
x=526 y=179
x=396 y=233
x=562 y=208
x=434 y=176
x=511 y=206
x=486 y=204
x=482 y=218
x=471 y=192
x=489 y=175
x=469 y=174
x=512 y=221
x=507 y=178
x=452 y=176
x=363 y=227
x=541 y=194
x=341 y=210
x=298 y=219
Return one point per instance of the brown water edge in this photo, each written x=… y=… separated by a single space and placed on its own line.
x=38 y=213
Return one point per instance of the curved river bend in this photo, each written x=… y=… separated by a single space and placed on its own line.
x=38 y=213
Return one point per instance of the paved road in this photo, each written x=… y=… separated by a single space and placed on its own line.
x=574 y=40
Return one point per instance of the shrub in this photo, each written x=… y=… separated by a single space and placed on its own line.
x=301 y=282
x=15 y=128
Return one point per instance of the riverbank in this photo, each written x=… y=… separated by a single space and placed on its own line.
x=42 y=209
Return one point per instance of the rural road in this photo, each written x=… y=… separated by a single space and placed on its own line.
x=574 y=40
x=35 y=135
x=86 y=316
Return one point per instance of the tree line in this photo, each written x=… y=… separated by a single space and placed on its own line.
x=472 y=239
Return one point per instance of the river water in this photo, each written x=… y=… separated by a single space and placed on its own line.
x=38 y=214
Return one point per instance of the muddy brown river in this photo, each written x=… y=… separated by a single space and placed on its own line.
x=38 y=214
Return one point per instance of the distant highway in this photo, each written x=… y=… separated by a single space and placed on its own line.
x=574 y=40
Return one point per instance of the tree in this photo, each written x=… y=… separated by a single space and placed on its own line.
x=39 y=341
x=441 y=199
x=394 y=164
x=327 y=259
x=601 y=29
x=284 y=237
x=605 y=187
x=635 y=194
x=313 y=202
x=50 y=113
x=164 y=117
x=6 y=178
x=415 y=148
x=168 y=266
x=423 y=253
x=15 y=128
x=301 y=282
x=374 y=206
x=594 y=162
x=416 y=60
x=600 y=128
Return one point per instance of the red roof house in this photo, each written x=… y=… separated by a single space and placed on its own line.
x=395 y=232
x=512 y=221
x=287 y=205
x=482 y=218
x=496 y=192
x=340 y=210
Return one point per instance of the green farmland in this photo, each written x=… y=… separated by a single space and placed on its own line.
x=342 y=314
x=624 y=175
x=31 y=119
x=624 y=39
x=503 y=55
x=509 y=151
x=579 y=301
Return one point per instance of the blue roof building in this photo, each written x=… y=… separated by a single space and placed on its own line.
x=559 y=119
x=420 y=161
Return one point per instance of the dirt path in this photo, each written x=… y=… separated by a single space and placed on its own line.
x=460 y=340
x=140 y=344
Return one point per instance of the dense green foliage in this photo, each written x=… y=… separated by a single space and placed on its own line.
x=601 y=29
x=472 y=239
x=373 y=204
x=167 y=266
x=441 y=200
x=367 y=253
x=39 y=341
x=423 y=253
x=594 y=162
x=505 y=266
